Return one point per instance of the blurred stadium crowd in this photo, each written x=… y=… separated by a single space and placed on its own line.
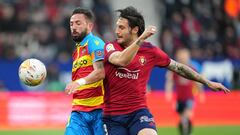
x=40 y=29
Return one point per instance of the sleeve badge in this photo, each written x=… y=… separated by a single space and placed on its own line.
x=110 y=47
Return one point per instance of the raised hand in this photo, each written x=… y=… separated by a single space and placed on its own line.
x=149 y=31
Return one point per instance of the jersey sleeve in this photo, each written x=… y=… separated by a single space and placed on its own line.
x=108 y=50
x=161 y=58
x=96 y=49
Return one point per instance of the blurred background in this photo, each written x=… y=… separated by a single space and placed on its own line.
x=210 y=29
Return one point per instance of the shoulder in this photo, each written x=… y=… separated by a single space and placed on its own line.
x=160 y=57
x=148 y=45
x=95 y=41
x=111 y=46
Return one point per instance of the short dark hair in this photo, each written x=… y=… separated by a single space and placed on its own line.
x=88 y=13
x=134 y=18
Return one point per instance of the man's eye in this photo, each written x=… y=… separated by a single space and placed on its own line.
x=121 y=27
x=78 y=23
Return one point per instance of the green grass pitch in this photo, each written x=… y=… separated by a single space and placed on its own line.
x=203 y=130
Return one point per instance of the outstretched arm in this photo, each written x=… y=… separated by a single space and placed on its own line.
x=124 y=57
x=189 y=73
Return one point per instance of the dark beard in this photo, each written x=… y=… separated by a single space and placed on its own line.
x=126 y=43
x=80 y=37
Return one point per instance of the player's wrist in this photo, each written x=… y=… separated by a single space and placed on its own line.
x=81 y=81
x=139 y=42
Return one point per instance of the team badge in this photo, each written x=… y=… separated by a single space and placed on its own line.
x=142 y=60
x=110 y=47
x=99 y=53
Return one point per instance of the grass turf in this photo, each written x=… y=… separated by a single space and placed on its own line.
x=203 y=130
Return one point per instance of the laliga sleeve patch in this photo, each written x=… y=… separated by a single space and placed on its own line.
x=98 y=54
x=110 y=47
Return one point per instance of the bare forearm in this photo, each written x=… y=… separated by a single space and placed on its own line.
x=189 y=73
x=129 y=53
x=94 y=76
x=186 y=72
x=97 y=74
x=126 y=56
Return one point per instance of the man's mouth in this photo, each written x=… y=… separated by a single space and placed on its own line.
x=119 y=37
x=75 y=34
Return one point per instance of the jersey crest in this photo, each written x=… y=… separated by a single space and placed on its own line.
x=142 y=60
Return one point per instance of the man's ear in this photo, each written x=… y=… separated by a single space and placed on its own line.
x=135 y=30
x=90 y=26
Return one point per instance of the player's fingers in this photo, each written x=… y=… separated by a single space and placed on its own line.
x=224 y=89
x=68 y=89
x=149 y=33
x=74 y=88
x=153 y=29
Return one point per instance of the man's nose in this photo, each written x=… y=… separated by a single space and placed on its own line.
x=117 y=31
x=74 y=26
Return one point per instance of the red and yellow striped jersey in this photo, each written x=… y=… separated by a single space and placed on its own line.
x=90 y=96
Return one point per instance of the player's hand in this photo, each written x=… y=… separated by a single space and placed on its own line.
x=71 y=87
x=149 y=31
x=218 y=87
